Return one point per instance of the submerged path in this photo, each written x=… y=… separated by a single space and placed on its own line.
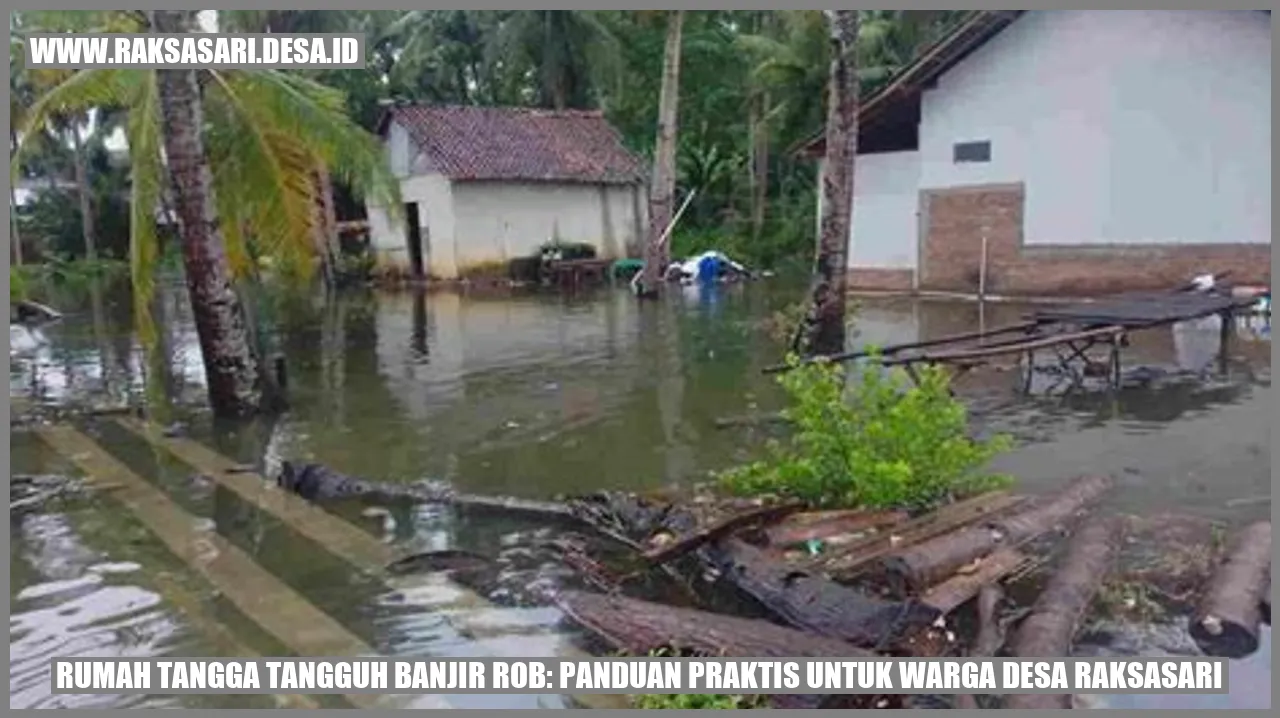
x=265 y=599
x=278 y=609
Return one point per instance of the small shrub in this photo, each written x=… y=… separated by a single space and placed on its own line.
x=488 y=269
x=568 y=251
x=17 y=285
x=695 y=701
x=892 y=444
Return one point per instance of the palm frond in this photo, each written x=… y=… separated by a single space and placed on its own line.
x=144 y=132
x=316 y=115
x=81 y=92
x=262 y=177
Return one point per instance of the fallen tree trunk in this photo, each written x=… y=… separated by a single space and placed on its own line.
x=814 y=603
x=957 y=590
x=1048 y=630
x=316 y=482
x=719 y=530
x=1226 y=622
x=928 y=563
x=640 y=628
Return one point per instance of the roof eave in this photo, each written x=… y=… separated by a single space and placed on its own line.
x=931 y=63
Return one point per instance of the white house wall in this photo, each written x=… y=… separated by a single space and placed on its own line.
x=886 y=192
x=501 y=221
x=1126 y=127
x=432 y=193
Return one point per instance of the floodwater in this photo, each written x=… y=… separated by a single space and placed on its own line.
x=531 y=396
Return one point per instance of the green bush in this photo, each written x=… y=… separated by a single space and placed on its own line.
x=893 y=443
x=17 y=285
x=695 y=701
x=569 y=251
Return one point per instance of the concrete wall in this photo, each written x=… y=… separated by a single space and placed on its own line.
x=884 y=236
x=1125 y=127
x=472 y=223
x=388 y=236
x=500 y=221
x=886 y=193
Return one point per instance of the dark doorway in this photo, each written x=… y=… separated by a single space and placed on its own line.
x=414 y=234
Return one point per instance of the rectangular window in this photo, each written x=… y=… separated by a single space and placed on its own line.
x=972 y=152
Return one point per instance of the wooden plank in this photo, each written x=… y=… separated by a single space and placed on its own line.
x=847 y=560
x=1138 y=310
x=897 y=348
x=957 y=590
x=278 y=609
x=337 y=535
x=1006 y=349
x=719 y=529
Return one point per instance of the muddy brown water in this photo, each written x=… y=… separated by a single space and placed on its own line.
x=535 y=396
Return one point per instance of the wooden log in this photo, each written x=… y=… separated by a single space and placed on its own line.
x=991 y=630
x=640 y=627
x=932 y=561
x=991 y=633
x=316 y=482
x=1048 y=630
x=957 y=590
x=849 y=559
x=720 y=529
x=828 y=526
x=814 y=603
x=1227 y=619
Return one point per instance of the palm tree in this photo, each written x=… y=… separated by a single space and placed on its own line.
x=662 y=190
x=826 y=333
x=572 y=53
x=252 y=167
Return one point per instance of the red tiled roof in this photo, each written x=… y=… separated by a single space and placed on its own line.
x=520 y=144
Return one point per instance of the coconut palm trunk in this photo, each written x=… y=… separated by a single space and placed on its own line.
x=84 y=192
x=826 y=321
x=759 y=162
x=232 y=370
x=663 y=188
x=326 y=225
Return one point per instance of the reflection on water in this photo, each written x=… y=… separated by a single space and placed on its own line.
x=541 y=396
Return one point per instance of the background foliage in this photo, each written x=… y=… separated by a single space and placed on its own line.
x=752 y=84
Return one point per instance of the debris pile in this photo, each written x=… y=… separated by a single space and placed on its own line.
x=767 y=577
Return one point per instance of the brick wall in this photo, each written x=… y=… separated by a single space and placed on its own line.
x=881 y=280
x=955 y=220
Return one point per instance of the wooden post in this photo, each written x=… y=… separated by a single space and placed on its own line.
x=982 y=269
x=1228 y=319
x=1115 y=359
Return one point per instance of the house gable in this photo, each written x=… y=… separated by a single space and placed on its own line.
x=1125 y=127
